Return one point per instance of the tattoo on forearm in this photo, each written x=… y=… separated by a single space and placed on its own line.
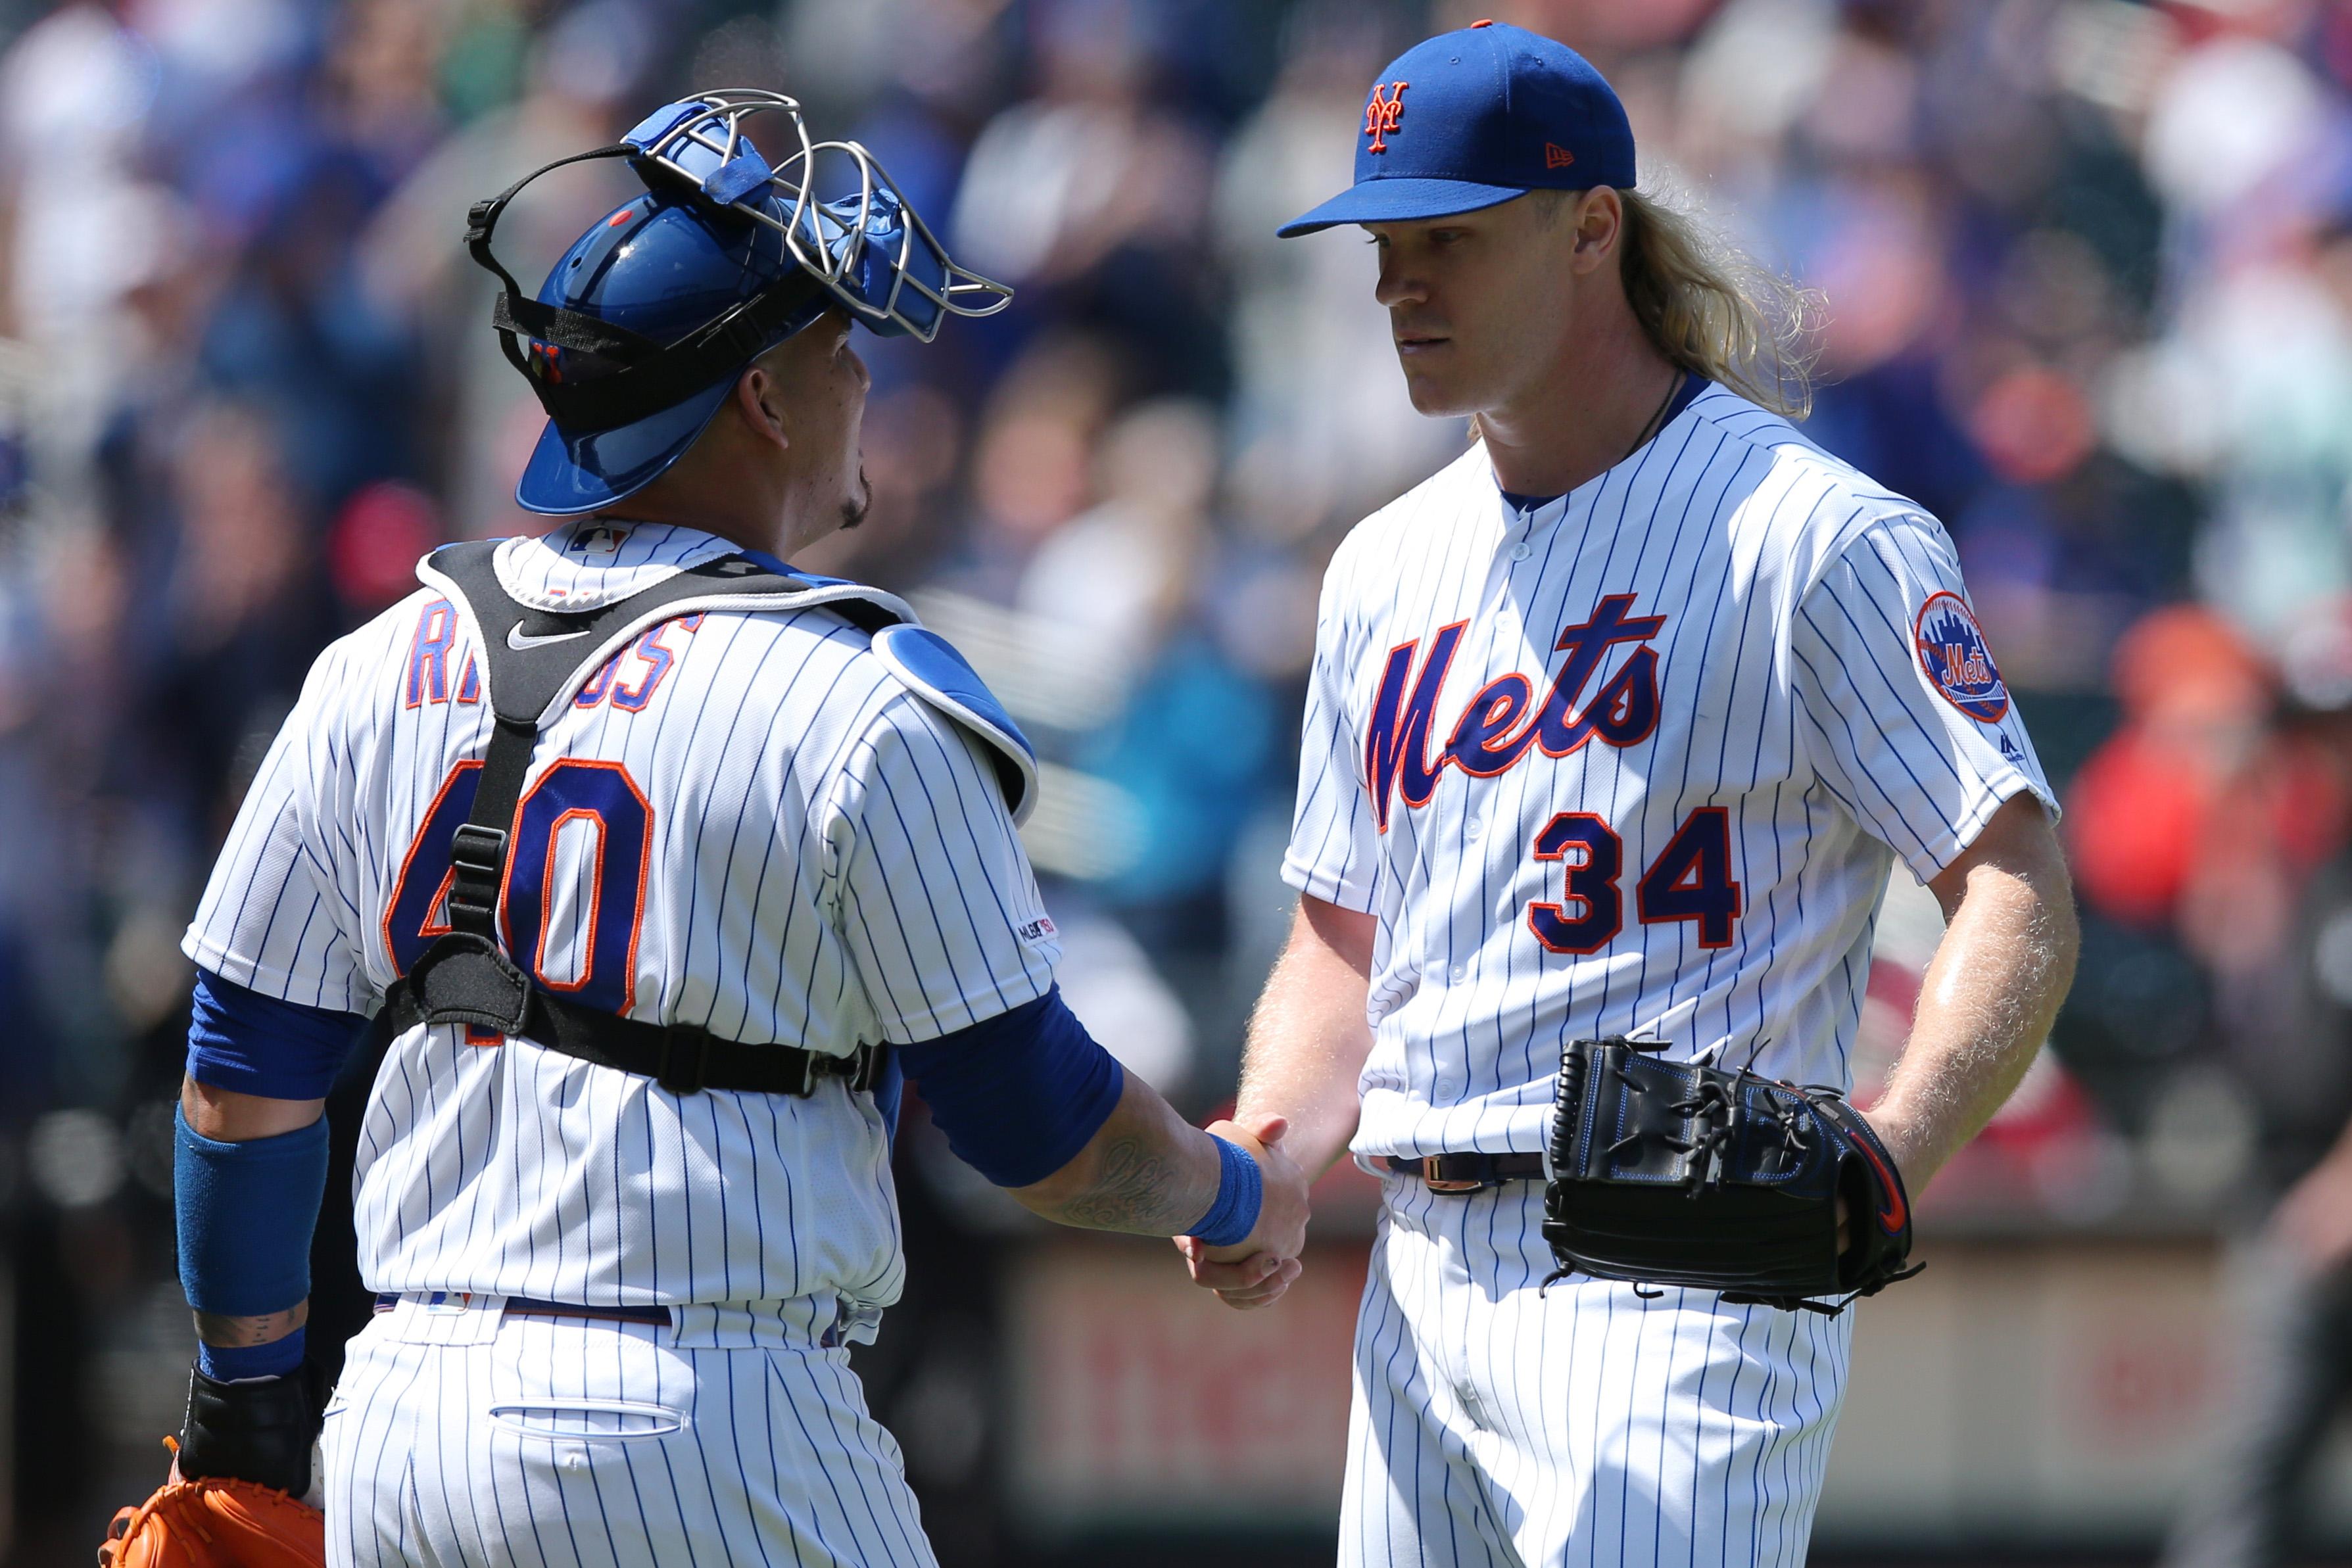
x=219 y=1329
x=1138 y=1191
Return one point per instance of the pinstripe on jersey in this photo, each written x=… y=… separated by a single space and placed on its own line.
x=828 y=860
x=1746 y=606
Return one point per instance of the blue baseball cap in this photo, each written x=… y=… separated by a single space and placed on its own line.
x=1473 y=118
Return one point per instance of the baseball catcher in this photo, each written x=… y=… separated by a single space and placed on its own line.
x=656 y=866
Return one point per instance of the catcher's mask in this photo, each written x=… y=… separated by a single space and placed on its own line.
x=637 y=335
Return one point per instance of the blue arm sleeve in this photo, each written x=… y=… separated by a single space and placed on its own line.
x=242 y=1041
x=245 y=1215
x=1018 y=1095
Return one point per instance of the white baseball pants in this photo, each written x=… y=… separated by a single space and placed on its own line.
x=736 y=1436
x=1498 y=1424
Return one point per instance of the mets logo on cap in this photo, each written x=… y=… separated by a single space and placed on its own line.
x=1953 y=654
x=1382 y=115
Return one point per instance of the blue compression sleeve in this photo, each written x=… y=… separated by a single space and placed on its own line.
x=254 y=1044
x=1018 y=1095
x=234 y=1363
x=245 y=1212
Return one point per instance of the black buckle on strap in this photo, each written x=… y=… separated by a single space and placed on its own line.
x=477 y=848
x=685 y=1057
x=478 y=858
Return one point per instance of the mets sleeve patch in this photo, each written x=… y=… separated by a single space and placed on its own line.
x=1952 y=652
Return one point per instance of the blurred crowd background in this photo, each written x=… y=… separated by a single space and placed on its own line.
x=2088 y=266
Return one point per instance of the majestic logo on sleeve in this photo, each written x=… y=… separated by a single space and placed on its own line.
x=1952 y=651
x=1381 y=114
x=1504 y=722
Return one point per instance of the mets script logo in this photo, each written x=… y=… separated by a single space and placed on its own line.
x=1381 y=115
x=1952 y=650
x=1504 y=722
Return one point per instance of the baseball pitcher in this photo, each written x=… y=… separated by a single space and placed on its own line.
x=653 y=863
x=1615 y=728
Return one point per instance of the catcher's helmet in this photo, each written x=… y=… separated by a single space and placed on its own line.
x=642 y=325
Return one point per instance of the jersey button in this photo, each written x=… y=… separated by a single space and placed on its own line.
x=1472 y=829
x=1461 y=973
x=1524 y=550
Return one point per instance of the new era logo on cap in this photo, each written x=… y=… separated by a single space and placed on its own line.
x=1556 y=156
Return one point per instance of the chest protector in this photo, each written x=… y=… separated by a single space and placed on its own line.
x=533 y=662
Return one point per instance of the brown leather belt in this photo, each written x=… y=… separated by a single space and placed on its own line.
x=1468 y=1173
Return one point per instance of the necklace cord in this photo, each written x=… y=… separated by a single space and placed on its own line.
x=1650 y=426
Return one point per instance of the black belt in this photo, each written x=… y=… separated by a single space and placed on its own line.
x=464 y=979
x=1469 y=1172
x=531 y=1307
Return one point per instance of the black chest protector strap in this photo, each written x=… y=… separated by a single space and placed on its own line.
x=533 y=657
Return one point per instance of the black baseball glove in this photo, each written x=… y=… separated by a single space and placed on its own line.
x=1673 y=1173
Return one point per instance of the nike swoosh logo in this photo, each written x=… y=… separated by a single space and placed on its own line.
x=1892 y=1211
x=521 y=641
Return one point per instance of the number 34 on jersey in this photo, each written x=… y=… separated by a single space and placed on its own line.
x=1689 y=880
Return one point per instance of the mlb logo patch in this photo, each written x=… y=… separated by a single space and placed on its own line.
x=1952 y=652
x=598 y=539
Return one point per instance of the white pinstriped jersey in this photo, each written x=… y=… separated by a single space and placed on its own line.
x=744 y=821
x=1636 y=761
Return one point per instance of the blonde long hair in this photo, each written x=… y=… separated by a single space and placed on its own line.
x=1710 y=308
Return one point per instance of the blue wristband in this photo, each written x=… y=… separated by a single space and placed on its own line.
x=235 y=1363
x=1241 y=1192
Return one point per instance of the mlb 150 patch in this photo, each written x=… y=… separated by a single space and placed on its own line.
x=1952 y=650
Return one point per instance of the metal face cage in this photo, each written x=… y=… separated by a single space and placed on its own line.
x=869 y=249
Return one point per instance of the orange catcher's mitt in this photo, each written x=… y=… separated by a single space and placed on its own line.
x=216 y=1524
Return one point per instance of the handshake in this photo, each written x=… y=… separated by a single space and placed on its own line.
x=1256 y=1270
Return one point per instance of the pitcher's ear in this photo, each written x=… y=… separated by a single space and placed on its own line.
x=1600 y=227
